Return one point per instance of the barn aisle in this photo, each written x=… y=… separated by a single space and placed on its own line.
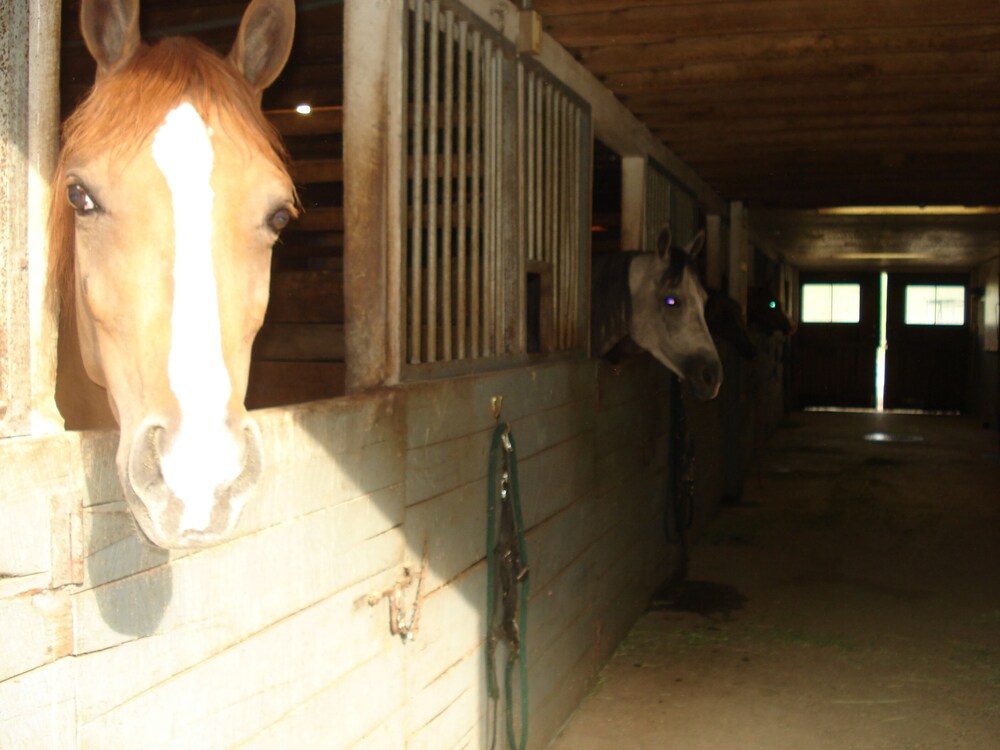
x=850 y=602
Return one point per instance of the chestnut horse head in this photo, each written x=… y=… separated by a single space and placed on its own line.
x=171 y=190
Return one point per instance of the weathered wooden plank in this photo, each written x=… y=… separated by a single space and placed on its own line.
x=451 y=629
x=696 y=75
x=282 y=383
x=320 y=219
x=446 y=709
x=35 y=630
x=449 y=709
x=435 y=469
x=919 y=139
x=803 y=46
x=40 y=493
x=37 y=709
x=307 y=171
x=300 y=342
x=644 y=23
x=454 y=527
x=174 y=617
x=438 y=467
x=306 y=297
x=448 y=410
x=267 y=685
x=554 y=478
x=374 y=694
x=387 y=735
x=566 y=540
x=823 y=101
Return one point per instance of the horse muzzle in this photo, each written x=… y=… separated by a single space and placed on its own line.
x=191 y=506
x=704 y=375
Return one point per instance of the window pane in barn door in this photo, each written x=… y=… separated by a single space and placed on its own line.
x=816 y=300
x=927 y=305
x=846 y=303
x=831 y=303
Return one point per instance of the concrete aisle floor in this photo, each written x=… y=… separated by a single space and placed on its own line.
x=852 y=601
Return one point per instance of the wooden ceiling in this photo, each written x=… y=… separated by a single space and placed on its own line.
x=800 y=104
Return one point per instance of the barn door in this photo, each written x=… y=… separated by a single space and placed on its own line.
x=834 y=350
x=929 y=345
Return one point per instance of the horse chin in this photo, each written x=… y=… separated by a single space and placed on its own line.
x=703 y=374
x=159 y=513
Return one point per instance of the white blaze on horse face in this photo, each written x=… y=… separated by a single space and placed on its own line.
x=203 y=454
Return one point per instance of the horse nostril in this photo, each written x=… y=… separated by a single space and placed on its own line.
x=708 y=375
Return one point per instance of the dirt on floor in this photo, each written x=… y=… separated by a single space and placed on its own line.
x=851 y=601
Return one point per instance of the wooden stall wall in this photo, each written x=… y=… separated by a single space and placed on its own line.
x=269 y=640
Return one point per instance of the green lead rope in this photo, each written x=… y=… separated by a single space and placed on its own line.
x=507 y=569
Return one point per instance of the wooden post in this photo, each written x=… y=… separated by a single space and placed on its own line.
x=29 y=128
x=738 y=247
x=713 y=251
x=633 y=202
x=374 y=195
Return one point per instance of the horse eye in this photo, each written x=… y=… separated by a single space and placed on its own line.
x=80 y=199
x=772 y=304
x=279 y=219
x=671 y=301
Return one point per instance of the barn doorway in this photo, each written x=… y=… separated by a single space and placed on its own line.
x=929 y=342
x=883 y=341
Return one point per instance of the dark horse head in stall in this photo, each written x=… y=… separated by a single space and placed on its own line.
x=726 y=321
x=766 y=313
x=657 y=301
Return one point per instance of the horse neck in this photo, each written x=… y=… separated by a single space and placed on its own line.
x=611 y=300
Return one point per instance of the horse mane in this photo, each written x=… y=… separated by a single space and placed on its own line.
x=125 y=107
x=610 y=299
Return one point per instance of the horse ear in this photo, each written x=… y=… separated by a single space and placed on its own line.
x=696 y=245
x=663 y=242
x=264 y=41
x=111 y=31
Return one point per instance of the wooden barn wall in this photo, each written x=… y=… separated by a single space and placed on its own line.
x=268 y=640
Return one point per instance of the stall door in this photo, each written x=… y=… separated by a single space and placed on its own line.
x=834 y=349
x=929 y=345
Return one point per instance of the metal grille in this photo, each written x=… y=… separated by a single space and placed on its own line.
x=551 y=181
x=657 y=209
x=453 y=194
x=496 y=162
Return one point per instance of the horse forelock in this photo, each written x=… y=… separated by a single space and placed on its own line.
x=677 y=262
x=124 y=109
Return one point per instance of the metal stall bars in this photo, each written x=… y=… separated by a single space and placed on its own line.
x=554 y=179
x=497 y=195
x=656 y=212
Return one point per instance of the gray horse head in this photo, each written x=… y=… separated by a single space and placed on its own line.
x=656 y=300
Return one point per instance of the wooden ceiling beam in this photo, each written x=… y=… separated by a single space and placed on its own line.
x=778 y=127
x=752 y=73
x=793 y=91
x=613 y=57
x=873 y=108
x=637 y=23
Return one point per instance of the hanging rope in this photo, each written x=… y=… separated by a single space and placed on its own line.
x=506 y=569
